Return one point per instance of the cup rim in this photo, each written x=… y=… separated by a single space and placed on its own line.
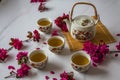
x=81 y=52
x=40 y=53
x=48 y=19
x=61 y=38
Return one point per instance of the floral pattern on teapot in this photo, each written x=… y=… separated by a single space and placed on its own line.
x=82 y=27
x=83 y=35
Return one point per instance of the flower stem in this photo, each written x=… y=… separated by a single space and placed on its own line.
x=114 y=52
x=9 y=76
x=10 y=48
x=26 y=40
x=12 y=74
x=22 y=41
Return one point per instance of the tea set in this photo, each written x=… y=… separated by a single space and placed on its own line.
x=81 y=28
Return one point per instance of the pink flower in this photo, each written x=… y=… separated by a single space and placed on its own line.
x=11 y=67
x=96 y=52
x=46 y=77
x=52 y=72
x=67 y=76
x=118 y=46
x=42 y=7
x=21 y=54
x=36 y=36
x=64 y=76
x=37 y=48
x=16 y=43
x=116 y=55
x=63 y=79
x=45 y=43
x=22 y=57
x=41 y=0
x=23 y=71
x=32 y=1
x=118 y=34
x=94 y=64
x=60 y=23
x=3 y=54
x=55 y=32
x=54 y=78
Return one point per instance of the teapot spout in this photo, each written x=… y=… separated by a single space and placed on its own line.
x=68 y=24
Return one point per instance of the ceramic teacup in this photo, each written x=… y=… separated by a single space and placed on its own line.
x=38 y=59
x=56 y=44
x=80 y=61
x=45 y=25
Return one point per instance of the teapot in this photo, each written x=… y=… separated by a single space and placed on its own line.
x=82 y=27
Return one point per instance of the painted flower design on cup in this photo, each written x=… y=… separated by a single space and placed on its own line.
x=45 y=25
x=56 y=50
x=40 y=65
x=38 y=59
x=56 y=44
x=80 y=69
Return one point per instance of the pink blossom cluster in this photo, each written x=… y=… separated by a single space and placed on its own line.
x=66 y=76
x=21 y=72
x=118 y=46
x=41 y=7
x=11 y=67
x=55 y=32
x=22 y=54
x=63 y=76
x=22 y=57
x=96 y=52
x=3 y=54
x=32 y=1
x=36 y=35
x=60 y=23
x=16 y=43
x=47 y=77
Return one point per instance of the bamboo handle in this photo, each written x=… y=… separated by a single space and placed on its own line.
x=86 y=3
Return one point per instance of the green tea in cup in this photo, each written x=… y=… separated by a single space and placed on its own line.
x=80 y=61
x=45 y=25
x=44 y=22
x=56 y=44
x=38 y=59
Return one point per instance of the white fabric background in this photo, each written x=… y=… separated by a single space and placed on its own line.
x=19 y=16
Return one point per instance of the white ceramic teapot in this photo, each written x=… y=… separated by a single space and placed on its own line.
x=82 y=27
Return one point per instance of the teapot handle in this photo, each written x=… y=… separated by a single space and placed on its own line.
x=95 y=10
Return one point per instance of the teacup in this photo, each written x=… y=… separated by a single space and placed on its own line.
x=80 y=61
x=38 y=59
x=56 y=44
x=45 y=25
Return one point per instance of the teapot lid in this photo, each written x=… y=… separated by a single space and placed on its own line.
x=84 y=21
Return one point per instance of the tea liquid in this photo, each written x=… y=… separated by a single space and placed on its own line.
x=37 y=57
x=80 y=60
x=44 y=22
x=55 y=42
